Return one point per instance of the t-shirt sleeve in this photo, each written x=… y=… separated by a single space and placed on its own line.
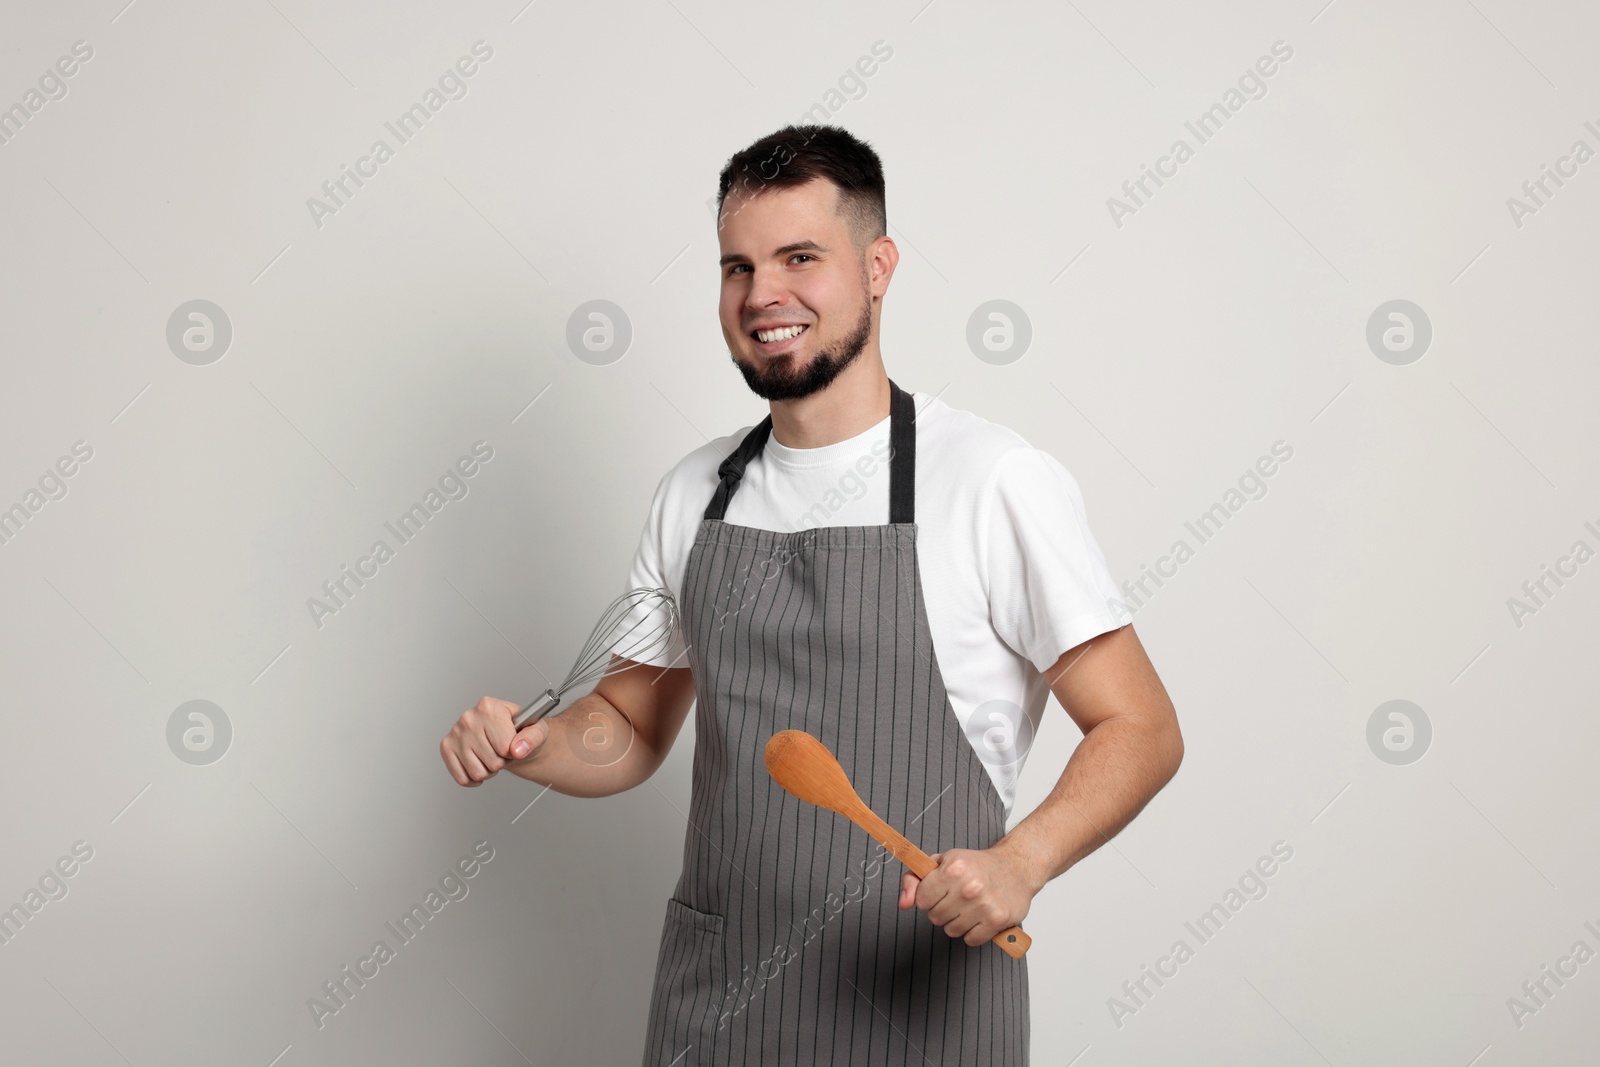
x=650 y=570
x=1048 y=584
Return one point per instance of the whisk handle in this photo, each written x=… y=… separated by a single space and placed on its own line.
x=536 y=710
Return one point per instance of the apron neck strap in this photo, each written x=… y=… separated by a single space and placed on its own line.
x=902 y=455
x=902 y=462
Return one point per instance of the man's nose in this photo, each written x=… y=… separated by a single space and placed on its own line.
x=767 y=290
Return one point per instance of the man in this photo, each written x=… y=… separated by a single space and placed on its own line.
x=899 y=578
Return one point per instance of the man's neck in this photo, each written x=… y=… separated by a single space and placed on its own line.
x=853 y=403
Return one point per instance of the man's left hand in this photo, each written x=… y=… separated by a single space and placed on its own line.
x=973 y=893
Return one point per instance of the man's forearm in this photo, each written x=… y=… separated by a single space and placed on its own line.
x=592 y=751
x=1115 y=770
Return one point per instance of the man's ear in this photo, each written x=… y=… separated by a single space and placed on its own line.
x=882 y=257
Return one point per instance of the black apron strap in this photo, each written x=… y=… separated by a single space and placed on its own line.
x=902 y=463
x=903 y=455
x=732 y=468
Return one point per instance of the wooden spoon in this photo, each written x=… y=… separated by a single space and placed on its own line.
x=804 y=766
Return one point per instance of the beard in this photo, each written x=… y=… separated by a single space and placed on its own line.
x=779 y=380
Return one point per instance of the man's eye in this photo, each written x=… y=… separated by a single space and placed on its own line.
x=736 y=268
x=800 y=255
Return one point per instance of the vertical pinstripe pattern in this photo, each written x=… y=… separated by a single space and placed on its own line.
x=782 y=943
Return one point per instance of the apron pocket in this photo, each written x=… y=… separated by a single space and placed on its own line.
x=690 y=991
x=704 y=921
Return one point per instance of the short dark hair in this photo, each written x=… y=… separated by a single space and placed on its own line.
x=796 y=155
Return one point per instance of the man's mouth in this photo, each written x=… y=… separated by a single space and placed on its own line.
x=778 y=334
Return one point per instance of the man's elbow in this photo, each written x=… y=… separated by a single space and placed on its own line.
x=1171 y=750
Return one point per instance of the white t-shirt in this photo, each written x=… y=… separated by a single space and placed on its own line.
x=1011 y=575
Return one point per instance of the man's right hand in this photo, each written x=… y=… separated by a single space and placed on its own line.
x=484 y=740
x=588 y=748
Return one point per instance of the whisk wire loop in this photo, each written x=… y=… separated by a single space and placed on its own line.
x=657 y=610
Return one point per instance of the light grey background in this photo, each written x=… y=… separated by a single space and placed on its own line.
x=1167 y=355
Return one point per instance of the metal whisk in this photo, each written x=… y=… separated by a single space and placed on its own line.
x=641 y=640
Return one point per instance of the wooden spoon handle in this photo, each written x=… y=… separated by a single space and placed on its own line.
x=1014 y=942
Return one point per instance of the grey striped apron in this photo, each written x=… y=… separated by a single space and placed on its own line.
x=783 y=943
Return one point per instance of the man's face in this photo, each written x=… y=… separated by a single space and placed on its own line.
x=792 y=274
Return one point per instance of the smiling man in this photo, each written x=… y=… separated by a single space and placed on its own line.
x=916 y=628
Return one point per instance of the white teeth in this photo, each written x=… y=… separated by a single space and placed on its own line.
x=782 y=333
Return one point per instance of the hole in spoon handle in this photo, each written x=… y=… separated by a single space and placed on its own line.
x=1014 y=942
